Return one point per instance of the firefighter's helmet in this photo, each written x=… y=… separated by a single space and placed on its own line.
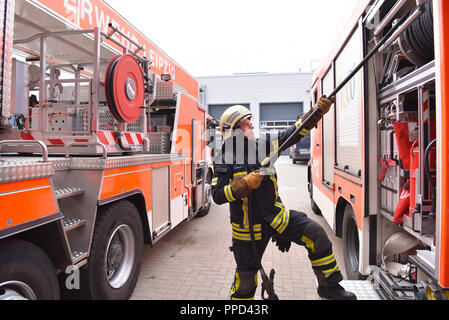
x=231 y=117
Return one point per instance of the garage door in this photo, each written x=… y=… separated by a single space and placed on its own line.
x=216 y=110
x=279 y=116
x=280 y=111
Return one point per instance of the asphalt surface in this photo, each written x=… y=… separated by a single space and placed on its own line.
x=193 y=261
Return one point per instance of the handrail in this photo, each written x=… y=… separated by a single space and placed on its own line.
x=389 y=16
x=415 y=15
x=53 y=34
x=25 y=142
x=86 y=144
x=127 y=37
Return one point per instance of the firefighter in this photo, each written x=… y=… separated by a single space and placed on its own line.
x=238 y=179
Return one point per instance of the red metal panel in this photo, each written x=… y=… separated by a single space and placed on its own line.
x=25 y=201
x=122 y=180
x=443 y=9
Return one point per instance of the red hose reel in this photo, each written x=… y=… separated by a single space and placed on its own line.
x=125 y=88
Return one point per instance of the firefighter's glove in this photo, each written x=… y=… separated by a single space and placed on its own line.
x=254 y=179
x=283 y=245
x=324 y=105
x=240 y=188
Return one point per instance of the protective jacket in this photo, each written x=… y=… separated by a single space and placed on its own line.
x=237 y=158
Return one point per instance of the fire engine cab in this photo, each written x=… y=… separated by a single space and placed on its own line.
x=102 y=149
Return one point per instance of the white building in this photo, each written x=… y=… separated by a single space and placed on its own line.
x=275 y=99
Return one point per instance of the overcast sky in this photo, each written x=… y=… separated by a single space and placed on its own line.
x=222 y=37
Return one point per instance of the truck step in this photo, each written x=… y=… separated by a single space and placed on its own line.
x=63 y=193
x=363 y=289
x=77 y=256
x=70 y=224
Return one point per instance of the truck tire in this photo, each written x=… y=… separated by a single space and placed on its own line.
x=205 y=210
x=315 y=209
x=26 y=272
x=351 y=244
x=115 y=256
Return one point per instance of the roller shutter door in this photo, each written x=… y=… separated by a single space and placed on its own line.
x=348 y=107
x=328 y=132
x=280 y=111
x=279 y=116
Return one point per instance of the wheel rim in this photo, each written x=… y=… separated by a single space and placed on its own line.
x=352 y=245
x=16 y=290
x=120 y=255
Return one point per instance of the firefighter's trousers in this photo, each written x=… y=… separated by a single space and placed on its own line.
x=300 y=230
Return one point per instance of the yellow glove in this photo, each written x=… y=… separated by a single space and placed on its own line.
x=324 y=105
x=242 y=187
x=254 y=179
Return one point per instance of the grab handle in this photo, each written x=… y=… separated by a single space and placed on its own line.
x=27 y=142
x=86 y=144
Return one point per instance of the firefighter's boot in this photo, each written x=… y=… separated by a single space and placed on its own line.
x=324 y=264
x=330 y=288
x=335 y=292
x=244 y=286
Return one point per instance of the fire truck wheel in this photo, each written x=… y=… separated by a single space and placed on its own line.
x=315 y=209
x=205 y=210
x=351 y=244
x=26 y=272
x=116 y=254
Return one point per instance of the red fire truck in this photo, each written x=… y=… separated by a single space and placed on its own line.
x=102 y=145
x=379 y=167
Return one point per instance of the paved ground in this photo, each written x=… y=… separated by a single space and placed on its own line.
x=193 y=262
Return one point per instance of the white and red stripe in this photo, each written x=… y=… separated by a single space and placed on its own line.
x=108 y=138
x=426 y=109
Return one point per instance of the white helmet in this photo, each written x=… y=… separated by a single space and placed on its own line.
x=231 y=117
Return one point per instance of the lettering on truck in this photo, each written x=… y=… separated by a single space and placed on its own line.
x=87 y=14
x=86 y=11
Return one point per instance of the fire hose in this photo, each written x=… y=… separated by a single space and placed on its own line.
x=268 y=282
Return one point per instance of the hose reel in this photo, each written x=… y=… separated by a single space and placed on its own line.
x=125 y=88
x=417 y=42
